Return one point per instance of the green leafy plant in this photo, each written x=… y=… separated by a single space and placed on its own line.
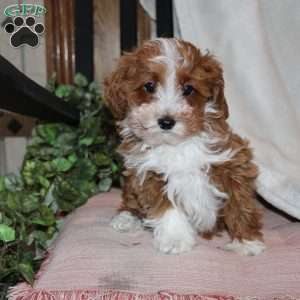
x=62 y=168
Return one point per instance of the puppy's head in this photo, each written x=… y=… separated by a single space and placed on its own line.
x=164 y=91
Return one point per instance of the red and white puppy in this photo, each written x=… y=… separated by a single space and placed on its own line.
x=186 y=172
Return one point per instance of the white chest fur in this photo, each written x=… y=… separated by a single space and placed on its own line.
x=185 y=169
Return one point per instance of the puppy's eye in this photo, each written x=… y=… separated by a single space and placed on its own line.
x=187 y=90
x=149 y=87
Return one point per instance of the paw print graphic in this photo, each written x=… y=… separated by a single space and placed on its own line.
x=24 y=31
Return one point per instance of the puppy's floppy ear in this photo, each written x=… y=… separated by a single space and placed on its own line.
x=219 y=98
x=116 y=87
x=214 y=73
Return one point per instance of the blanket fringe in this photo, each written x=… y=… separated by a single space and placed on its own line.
x=24 y=291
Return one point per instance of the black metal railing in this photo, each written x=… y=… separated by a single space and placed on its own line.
x=22 y=95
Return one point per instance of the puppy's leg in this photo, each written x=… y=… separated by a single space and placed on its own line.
x=128 y=218
x=173 y=233
x=243 y=219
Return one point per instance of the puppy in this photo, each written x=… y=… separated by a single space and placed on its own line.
x=186 y=172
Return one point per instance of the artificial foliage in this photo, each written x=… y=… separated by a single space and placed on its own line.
x=62 y=168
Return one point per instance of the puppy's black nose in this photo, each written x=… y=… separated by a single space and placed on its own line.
x=166 y=123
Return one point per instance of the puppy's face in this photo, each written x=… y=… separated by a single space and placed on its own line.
x=163 y=92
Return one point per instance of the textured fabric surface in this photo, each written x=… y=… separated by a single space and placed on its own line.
x=90 y=256
x=258 y=44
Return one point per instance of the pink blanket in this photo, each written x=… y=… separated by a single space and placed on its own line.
x=92 y=261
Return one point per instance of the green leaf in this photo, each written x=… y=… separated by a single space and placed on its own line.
x=40 y=236
x=48 y=132
x=72 y=158
x=7 y=233
x=12 y=182
x=104 y=172
x=62 y=164
x=84 y=169
x=105 y=184
x=102 y=159
x=63 y=91
x=49 y=196
x=43 y=182
x=114 y=167
x=13 y=201
x=45 y=217
x=87 y=141
x=27 y=272
x=30 y=203
x=80 y=80
x=66 y=138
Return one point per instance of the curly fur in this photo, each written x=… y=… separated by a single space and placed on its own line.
x=199 y=174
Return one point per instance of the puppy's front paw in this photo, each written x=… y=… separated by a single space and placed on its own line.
x=173 y=233
x=172 y=244
x=246 y=247
x=125 y=221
